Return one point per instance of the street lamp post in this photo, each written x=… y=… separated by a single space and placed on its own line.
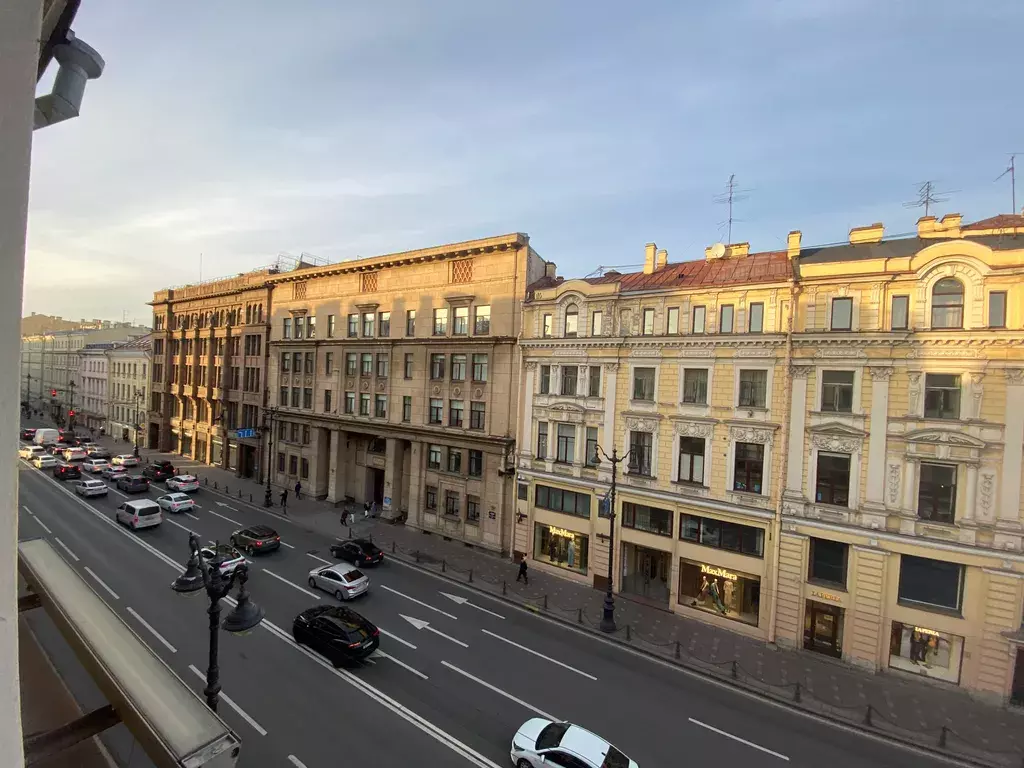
x=71 y=407
x=268 y=432
x=138 y=403
x=608 y=611
x=246 y=615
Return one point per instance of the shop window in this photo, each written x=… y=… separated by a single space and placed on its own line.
x=941 y=396
x=436 y=366
x=948 y=304
x=596 y=323
x=833 y=479
x=640 y=517
x=561 y=547
x=936 y=494
x=570 y=374
x=842 y=314
x=931 y=583
x=744 y=539
x=753 y=388
x=900 y=313
x=997 y=309
x=695 y=386
x=725 y=318
x=434 y=457
x=594 y=381
x=718 y=590
x=558 y=500
x=542 y=440
x=755 y=318
x=647 y=326
x=748 y=471
x=925 y=651
x=827 y=561
x=691 y=460
x=545 y=379
x=643 y=384
x=572 y=321
x=837 y=391
x=641 y=453
x=566 y=443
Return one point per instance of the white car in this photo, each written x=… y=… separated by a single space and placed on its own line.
x=45 y=461
x=95 y=465
x=142 y=513
x=125 y=460
x=342 y=580
x=541 y=742
x=175 y=502
x=31 y=451
x=75 y=454
x=183 y=483
x=91 y=488
x=223 y=556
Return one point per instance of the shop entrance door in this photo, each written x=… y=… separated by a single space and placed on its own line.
x=1017 y=692
x=646 y=573
x=823 y=629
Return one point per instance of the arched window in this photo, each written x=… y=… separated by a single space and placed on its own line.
x=248 y=314
x=948 y=304
x=572 y=321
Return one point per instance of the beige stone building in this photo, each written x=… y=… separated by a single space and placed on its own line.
x=825 y=443
x=393 y=381
x=209 y=348
x=127 y=397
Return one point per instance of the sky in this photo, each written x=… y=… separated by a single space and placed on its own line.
x=223 y=134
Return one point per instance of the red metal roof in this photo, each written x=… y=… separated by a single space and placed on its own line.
x=1002 y=221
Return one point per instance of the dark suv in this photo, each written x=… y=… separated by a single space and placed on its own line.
x=132 y=484
x=67 y=472
x=160 y=470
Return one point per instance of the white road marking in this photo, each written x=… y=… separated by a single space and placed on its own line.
x=291 y=583
x=500 y=692
x=174 y=522
x=296 y=762
x=101 y=582
x=396 y=637
x=286 y=544
x=418 y=602
x=737 y=738
x=421 y=624
x=465 y=601
x=42 y=525
x=325 y=562
x=230 y=702
x=28 y=510
x=148 y=626
x=122 y=495
x=191 y=515
x=389 y=657
x=538 y=654
x=224 y=517
x=66 y=548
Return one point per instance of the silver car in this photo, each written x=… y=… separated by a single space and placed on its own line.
x=342 y=580
x=222 y=556
x=176 y=502
x=91 y=488
x=540 y=742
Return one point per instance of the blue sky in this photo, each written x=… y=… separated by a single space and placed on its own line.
x=242 y=130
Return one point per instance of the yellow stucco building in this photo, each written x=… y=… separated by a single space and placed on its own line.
x=824 y=444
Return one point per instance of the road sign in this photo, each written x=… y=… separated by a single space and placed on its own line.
x=242 y=433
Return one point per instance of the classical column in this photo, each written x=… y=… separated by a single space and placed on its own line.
x=797 y=422
x=878 y=426
x=608 y=438
x=393 y=465
x=336 y=473
x=525 y=429
x=416 y=460
x=1013 y=450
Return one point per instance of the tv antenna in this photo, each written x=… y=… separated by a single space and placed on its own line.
x=733 y=194
x=1013 y=181
x=927 y=196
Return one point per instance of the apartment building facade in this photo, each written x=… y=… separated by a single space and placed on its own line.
x=824 y=445
x=128 y=397
x=93 y=370
x=393 y=381
x=209 y=348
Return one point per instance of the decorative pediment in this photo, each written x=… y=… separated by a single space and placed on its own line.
x=943 y=436
x=298 y=312
x=693 y=428
x=459 y=301
x=837 y=429
x=565 y=408
x=646 y=423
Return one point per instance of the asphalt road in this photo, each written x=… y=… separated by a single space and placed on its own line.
x=453 y=680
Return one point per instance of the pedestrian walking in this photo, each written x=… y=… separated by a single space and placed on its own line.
x=366 y=509
x=373 y=509
x=298 y=490
x=284 y=500
x=523 y=575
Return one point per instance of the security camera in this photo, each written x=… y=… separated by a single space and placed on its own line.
x=78 y=64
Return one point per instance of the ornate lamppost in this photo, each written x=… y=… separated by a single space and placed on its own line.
x=608 y=611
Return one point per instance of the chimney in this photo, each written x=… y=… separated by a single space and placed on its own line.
x=869 y=234
x=549 y=268
x=661 y=259
x=649 y=253
x=947 y=226
x=734 y=250
x=793 y=243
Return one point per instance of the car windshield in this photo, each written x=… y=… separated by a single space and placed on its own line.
x=552 y=735
x=179 y=497
x=615 y=759
x=354 y=631
x=353 y=575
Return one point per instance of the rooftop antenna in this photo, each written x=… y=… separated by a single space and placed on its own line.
x=732 y=194
x=1013 y=181
x=927 y=196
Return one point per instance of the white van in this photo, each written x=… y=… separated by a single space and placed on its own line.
x=140 y=514
x=46 y=436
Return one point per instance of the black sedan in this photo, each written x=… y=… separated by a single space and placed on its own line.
x=359 y=552
x=67 y=472
x=28 y=434
x=255 y=539
x=337 y=633
x=159 y=470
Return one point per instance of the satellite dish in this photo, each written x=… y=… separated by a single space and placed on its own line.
x=717 y=251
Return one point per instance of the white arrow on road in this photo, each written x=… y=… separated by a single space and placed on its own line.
x=465 y=601
x=421 y=624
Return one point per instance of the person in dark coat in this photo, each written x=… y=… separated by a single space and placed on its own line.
x=522 y=572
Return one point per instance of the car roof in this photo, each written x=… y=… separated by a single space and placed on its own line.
x=260 y=530
x=584 y=743
x=183 y=477
x=141 y=503
x=90 y=481
x=340 y=568
x=178 y=496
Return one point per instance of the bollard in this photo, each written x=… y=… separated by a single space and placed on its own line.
x=545 y=602
x=942 y=737
x=417 y=555
x=867 y=716
x=239 y=493
x=796 y=693
x=250 y=498
x=579 y=615
x=628 y=633
x=678 y=652
x=226 y=489
x=392 y=547
x=504 y=587
x=206 y=481
x=735 y=670
x=470 y=575
x=444 y=565
x=215 y=485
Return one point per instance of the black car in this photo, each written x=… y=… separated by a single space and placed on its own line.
x=55 y=449
x=98 y=453
x=339 y=634
x=158 y=471
x=256 y=538
x=67 y=472
x=28 y=434
x=133 y=483
x=359 y=552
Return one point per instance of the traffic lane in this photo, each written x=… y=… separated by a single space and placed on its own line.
x=307 y=700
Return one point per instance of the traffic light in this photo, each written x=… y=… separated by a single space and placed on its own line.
x=71 y=413
x=53 y=393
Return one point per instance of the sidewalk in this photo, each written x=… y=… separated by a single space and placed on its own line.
x=933 y=715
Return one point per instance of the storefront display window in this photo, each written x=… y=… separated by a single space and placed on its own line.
x=925 y=651
x=719 y=590
x=559 y=546
x=823 y=628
